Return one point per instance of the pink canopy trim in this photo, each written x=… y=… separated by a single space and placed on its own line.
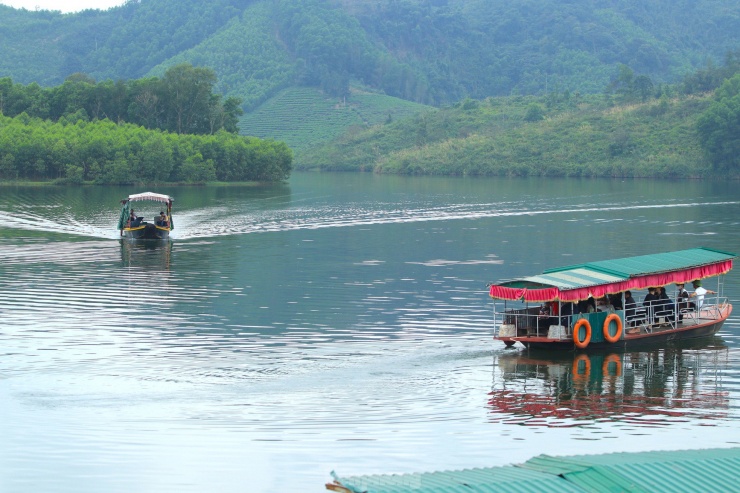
x=539 y=295
x=642 y=282
x=503 y=293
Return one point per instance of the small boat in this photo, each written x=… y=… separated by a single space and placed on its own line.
x=133 y=225
x=557 y=309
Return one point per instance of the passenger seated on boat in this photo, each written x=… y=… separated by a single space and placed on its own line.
x=133 y=219
x=664 y=307
x=651 y=299
x=682 y=299
x=632 y=315
x=616 y=301
x=587 y=306
x=161 y=220
x=545 y=318
x=603 y=305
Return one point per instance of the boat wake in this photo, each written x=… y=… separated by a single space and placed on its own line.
x=200 y=223
x=194 y=224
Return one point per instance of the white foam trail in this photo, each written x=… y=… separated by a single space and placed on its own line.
x=221 y=221
x=305 y=219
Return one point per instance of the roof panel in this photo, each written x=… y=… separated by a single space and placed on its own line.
x=497 y=479
x=575 y=278
x=663 y=262
x=674 y=471
x=613 y=271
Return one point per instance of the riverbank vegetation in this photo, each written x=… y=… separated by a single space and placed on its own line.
x=151 y=130
x=103 y=152
x=633 y=129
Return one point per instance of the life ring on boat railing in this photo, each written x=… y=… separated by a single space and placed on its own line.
x=612 y=358
x=577 y=376
x=581 y=343
x=608 y=337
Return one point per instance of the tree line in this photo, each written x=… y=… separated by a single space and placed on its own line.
x=182 y=101
x=104 y=152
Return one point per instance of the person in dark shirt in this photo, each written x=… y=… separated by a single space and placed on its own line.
x=133 y=219
x=665 y=307
x=616 y=301
x=651 y=299
x=630 y=306
x=682 y=300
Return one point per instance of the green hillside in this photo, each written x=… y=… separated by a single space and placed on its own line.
x=306 y=117
x=252 y=65
x=577 y=137
x=429 y=51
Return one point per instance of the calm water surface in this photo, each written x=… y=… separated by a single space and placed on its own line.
x=339 y=322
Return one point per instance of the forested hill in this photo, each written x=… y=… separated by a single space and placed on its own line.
x=427 y=51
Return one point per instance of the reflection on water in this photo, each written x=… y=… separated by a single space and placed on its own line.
x=146 y=255
x=648 y=388
x=338 y=322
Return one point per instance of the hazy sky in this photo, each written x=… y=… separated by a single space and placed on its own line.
x=63 y=5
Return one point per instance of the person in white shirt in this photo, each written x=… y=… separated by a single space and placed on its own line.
x=699 y=293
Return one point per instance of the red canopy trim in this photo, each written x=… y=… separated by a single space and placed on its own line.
x=503 y=293
x=540 y=295
x=642 y=282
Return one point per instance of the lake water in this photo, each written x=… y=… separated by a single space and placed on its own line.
x=337 y=322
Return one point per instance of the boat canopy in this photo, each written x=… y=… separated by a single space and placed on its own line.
x=597 y=279
x=138 y=197
x=156 y=197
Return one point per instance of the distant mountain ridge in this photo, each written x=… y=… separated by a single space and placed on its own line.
x=427 y=51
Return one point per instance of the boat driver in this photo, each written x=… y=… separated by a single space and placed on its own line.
x=162 y=221
x=133 y=219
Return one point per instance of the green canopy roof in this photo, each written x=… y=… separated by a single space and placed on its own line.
x=656 y=263
x=683 y=470
x=576 y=281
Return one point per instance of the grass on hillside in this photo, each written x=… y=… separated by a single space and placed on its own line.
x=305 y=117
x=583 y=137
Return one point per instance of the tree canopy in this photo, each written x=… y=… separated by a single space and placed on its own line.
x=719 y=126
x=104 y=152
x=182 y=101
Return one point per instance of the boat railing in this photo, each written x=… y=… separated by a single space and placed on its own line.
x=709 y=310
x=512 y=322
x=529 y=320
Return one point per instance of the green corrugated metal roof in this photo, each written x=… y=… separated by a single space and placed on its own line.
x=612 y=271
x=654 y=472
x=674 y=471
x=496 y=479
x=574 y=278
x=663 y=262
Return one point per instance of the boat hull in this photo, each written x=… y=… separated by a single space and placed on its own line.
x=683 y=331
x=146 y=232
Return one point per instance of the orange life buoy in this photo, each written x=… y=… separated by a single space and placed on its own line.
x=612 y=358
x=577 y=375
x=581 y=343
x=608 y=337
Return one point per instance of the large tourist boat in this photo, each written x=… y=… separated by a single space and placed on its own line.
x=134 y=226
x=592 y=305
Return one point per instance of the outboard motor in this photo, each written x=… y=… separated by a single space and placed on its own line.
x=150 y=232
